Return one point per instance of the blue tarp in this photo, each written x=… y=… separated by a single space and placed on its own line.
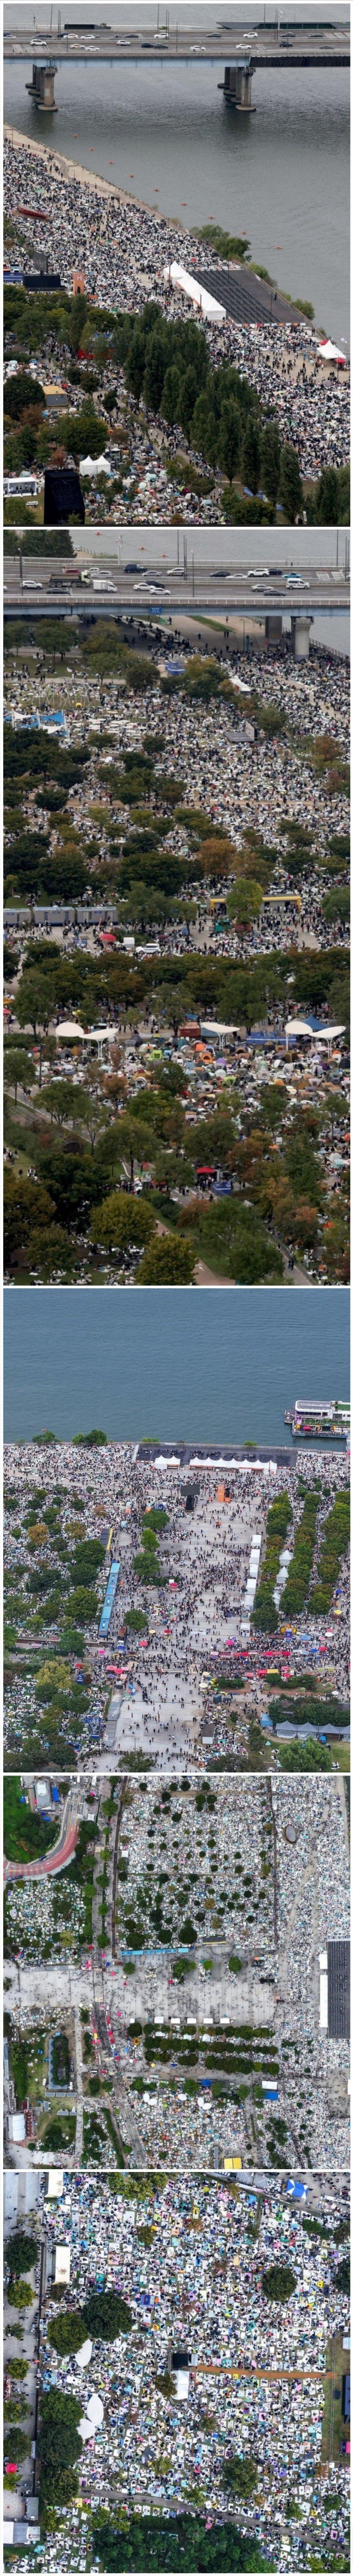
x=109 y=1598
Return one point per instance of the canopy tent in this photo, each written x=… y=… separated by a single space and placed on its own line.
x=328 y=349
x=83 y=2356
x=174 y=275
x=91 y=465
x=70 y=1029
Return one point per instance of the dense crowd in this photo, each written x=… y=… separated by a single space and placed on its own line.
x=189 y=2261
x=164 y=1697
x=124 y=249
x=219 y=765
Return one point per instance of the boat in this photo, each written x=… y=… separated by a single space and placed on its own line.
x=319 y=1418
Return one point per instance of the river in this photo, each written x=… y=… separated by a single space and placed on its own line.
x=280 y=176
x=170 y=1363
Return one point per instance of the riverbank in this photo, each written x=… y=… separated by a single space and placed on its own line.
x=59 y=163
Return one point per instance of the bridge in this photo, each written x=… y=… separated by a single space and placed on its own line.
x=267 y=48
x=259 y=593
x=272 y=49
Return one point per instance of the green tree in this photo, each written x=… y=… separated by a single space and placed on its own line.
x=58 y=2441
x=26 y=1204
x=122 y=1223
x=290 y=483
x=50 y=1254
x=343 y=2275
x=182 y=2542
x=21 y=2251
x=18 y=1068
x=107 y=2315
x=229 y=437
x=171 y=395
x=67 y=2331
x=20 y=2294
x=251 y=453
x=76 y=322
x=168 y=1263
x=240 y=2476
x=278 y=2282
x=310 y=1756
x=271 y=457
x=35 y=1005
x=155 y=367
x=16 y=2445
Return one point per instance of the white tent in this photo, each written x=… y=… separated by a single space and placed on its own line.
x=174 y=275
x=90 y=2422
x=91 y=465
x=299 y=1029
x=69 y=1029
x=325 y=1036
x=328 y=349
x=83 y=2356
x=167 y=1462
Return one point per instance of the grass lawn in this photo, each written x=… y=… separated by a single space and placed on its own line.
x=333 y=2426
x=28 y=2064
x=25 y=1836
x=60 y=2131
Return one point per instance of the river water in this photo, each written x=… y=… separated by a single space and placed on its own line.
x=162 y=130
x=170 y=1363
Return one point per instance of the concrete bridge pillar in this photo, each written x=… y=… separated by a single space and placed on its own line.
x=273 y=628
x=41 y=87
x=300 y=631
x=237 y=86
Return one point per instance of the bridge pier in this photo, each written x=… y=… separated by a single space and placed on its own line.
x=300 y=632
x=273 y=628
x=41 y=87
x=236 y=86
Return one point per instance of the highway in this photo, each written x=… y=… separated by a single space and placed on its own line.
x=265 y=52
x=255 y=592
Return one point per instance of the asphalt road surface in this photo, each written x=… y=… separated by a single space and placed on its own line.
x=256 y=591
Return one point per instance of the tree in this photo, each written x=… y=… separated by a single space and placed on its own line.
x=271 y=457
x=64 y=1101
x=171 y=396
x=58 y=2440
x=244 y=901
x=343 y=2275
x=251 y=453
x=122 y=1223
x=67 y=2331
x=21 y=2251
x=278 y=2282
x=107 y=2315
x=290 y=483
x=326 y=497
x=155 y=367
x=204 y=428
x=21 y=392
x=168 y=1263
x=20 y=2294
x=76 y=321
x=18 y=1068
x=240 y=2476
x=49 y=1253
x=310 y=1756
x=184 y=2541
x=132 y=1139
x=26 y=1204
x=16 y=2445
x=229 y=437
x=35 y=1005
